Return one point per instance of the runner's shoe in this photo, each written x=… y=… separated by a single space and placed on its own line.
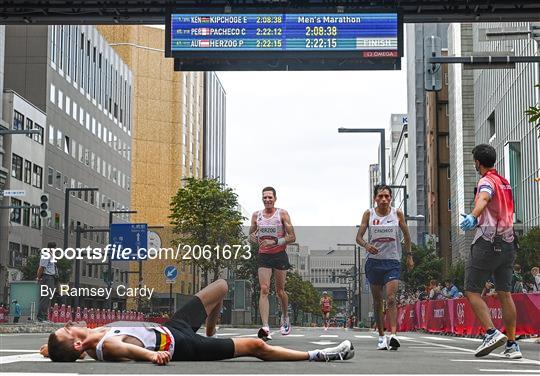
x=490 y=343
x=285 y=327
x=382 y=344
x=343 y=351
x=393 y=342
x=264 y=334
x=512 y=351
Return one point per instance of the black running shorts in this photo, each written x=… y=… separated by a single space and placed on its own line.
x=189 y=346
x=279 y=261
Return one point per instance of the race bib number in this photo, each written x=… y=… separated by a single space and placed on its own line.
x=268 y=232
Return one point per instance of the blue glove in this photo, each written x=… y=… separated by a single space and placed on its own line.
x=468 y=223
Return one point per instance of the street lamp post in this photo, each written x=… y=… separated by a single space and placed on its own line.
x=357 y=279
x=381 y=131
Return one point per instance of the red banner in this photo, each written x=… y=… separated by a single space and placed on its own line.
x=456 y=315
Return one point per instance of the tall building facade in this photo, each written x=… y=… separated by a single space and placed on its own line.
x=25 y=158
x=461 y=131
x=416 y=111
x=500 y=98
x=215 y=122
x=168 y=116
x=374 y=179
x=438 y=170
x=397 y=158
x=73 y=75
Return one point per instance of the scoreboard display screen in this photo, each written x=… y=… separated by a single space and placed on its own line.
x=371 y=34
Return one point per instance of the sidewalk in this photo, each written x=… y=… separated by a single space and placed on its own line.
x=30 y=327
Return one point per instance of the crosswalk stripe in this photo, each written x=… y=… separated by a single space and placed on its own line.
x=507 y=361
x=36 y=357
x=438 y=338
x=324 y=343
x=329 y=336
x=370 y=337
x=510 y=370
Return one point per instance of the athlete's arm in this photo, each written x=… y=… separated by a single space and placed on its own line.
x=406 y=239
x=290 y=236
x=118 y=350
x=253 y=228
x=361 y=232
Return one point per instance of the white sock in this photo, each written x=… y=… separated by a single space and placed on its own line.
x=313 y=355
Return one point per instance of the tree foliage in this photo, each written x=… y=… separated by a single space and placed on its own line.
x=32 y=262
x=204 y=212
x=303 y=297
x=534 y=113
x=528 y=254
x=427 y=266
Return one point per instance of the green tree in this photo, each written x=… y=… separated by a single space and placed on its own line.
x=534 y=113
x=303 y=297
x=528 y=254
x=457 y=274
x=427 y=266
x=204 y=213
x=32 y=262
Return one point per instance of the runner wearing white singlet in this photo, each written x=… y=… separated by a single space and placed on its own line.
x=271 y=228
x=383 y=265
x=326 y=307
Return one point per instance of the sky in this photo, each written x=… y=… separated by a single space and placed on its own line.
x=282 y=132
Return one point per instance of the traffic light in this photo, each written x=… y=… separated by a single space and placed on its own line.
x=44 y=211
x=432 y=72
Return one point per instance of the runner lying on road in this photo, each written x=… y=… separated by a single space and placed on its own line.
x=176 y=339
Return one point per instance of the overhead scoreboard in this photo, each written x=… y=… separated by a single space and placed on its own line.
x=286 y=37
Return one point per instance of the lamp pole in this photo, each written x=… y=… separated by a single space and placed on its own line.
x=382 y=132
x=357 y=279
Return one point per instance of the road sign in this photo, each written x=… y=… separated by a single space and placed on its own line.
x=14 y=193
x=129 y=235
x=171 y=272
x=154 y=241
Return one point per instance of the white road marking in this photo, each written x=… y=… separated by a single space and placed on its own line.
x=438 y=338
x=295 y=335
x=448 y=352
x=405 y=338
x=370 y=337
x=507 y=361
x=36 y=357
x=510 y=370
x=471 y=339
x=420 y=347
x=329 y=336
x=324 y=343
x=227 y=334
x=21 y=351
x=248 y=335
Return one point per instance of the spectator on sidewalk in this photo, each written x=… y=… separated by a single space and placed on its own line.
x=450 y=291
x=47 y=274
x=535 y=271
x=16 y=311
x=517 y=279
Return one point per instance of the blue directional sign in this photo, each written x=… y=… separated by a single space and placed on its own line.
x=124 y=236
x=171 y=272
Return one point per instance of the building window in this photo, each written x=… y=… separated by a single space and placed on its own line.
x=68 y=105
x=39 y=136
x=81 y=155
x=29 y=125
x=491 y=124
x=18 y=120
x=36 y=219
x=51 y=135
x=52 y=94
x=67 y=144
x=50 y=175
x=15 y=257
x=16 y=167
x=27 y=172
x=59 y=139
x=58 y=180
x=37 y=176
x=512 y=161
x=26 y=215
x=15 y=213
x=60 y=100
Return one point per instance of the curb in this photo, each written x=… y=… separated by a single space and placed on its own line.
x=29 y=328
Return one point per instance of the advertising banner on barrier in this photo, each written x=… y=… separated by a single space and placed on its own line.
x=456 y=315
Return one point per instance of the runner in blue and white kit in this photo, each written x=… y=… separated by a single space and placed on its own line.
x=383 y=265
